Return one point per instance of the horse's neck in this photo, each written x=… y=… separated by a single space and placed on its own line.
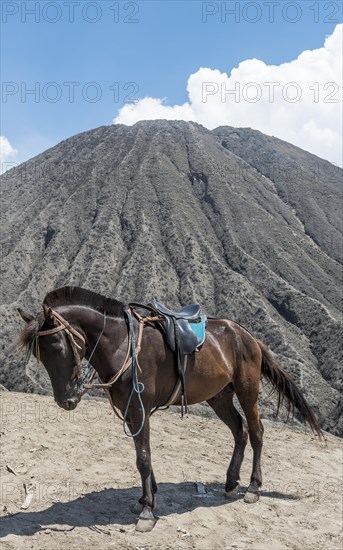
x=112 y=333
x=93 y=324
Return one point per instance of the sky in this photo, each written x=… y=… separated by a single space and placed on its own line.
x=70 y=66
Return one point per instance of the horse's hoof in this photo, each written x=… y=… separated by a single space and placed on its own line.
x=137 y=508
x=146 y=521
x=233 y=492
x=145 y=525
x=251 y=497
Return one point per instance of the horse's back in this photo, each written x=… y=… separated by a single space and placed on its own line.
x=237 y=337
x=242 y=352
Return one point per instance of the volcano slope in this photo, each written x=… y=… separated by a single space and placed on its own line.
x=243 y=223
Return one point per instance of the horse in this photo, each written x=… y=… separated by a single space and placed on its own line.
x=77 y=323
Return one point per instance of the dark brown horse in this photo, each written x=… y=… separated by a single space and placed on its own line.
x=77 y=323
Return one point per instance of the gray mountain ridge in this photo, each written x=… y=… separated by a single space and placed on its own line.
x=245 y=224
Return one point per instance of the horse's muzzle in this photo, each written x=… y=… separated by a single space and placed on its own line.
x=68 y=404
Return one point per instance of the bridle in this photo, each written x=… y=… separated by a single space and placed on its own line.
x=70 y=332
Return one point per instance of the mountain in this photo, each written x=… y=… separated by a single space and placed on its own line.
x=243 y=223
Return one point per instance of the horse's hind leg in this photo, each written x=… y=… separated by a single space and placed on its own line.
x=256 y=430
x=223 y=406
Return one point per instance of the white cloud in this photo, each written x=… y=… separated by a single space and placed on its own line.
x=299 y=101
x=150 y=108
x=8 y=154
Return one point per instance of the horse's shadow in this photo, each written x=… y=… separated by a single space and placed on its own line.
x=111 y=507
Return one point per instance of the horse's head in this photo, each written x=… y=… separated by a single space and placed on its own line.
x=60 y=347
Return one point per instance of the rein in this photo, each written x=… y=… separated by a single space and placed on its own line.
x=90 y=370
x=131 y=360
x=137 y=387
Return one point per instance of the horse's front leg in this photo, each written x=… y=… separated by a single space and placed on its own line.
x=147 y=519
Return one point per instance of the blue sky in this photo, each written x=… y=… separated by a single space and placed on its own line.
x=114 y=51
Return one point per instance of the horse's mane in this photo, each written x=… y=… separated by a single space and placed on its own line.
x=77 y=296
x=70 y=295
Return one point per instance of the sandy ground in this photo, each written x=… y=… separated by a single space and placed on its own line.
x=80 y=471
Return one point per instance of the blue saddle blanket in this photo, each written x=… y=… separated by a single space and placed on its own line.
x=199 y=330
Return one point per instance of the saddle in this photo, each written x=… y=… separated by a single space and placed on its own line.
x=184 y=332
x=190 y=312
x=180 y=336
x=176 y=326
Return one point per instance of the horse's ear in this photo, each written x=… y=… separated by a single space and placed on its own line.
x=48 y=315
x=27 y=316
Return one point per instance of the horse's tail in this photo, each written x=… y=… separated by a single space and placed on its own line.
x=287 y=388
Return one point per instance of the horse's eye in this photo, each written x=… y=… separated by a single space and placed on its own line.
x=58 y=347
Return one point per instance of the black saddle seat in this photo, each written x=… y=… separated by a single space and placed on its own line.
x=190 y=312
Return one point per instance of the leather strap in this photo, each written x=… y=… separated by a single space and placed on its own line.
x=71 y=332
x=64 y=325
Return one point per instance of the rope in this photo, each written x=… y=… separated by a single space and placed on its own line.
x=113 y=380
x=137 y=387
x=89 y=368
x=126 y=365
